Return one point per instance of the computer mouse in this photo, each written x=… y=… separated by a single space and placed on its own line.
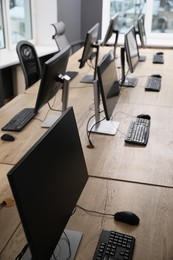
x=144 y=116
x=7 y=137
x=156 y=75
x=127 y=217
x=160 y=53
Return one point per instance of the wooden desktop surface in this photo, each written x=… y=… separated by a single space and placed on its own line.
x=152 y=204
x=118 y=172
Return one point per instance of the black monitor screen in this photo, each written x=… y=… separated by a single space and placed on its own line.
x=141 y=30
x=90 y=40
x=109 y=84
x=112 y=28
x=50 y=83
x=47 y=183
x=131 y=49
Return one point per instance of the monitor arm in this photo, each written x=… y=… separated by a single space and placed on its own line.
x=116 y=40
x=116 y=32
x=96 y=45
x=64 y=79
x=122 y=56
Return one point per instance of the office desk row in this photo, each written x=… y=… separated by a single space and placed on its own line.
x=152 y=204
x=122 y=177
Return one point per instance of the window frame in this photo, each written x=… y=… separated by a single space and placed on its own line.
x=7 y=25
x=153 y=39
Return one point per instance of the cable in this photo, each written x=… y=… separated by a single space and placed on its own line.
x=125 y=75
x=53 y=108
x=22 y=252
x=95 y=212
x=90 y=145
x=69 y=247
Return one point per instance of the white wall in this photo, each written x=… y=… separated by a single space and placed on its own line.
x=45 y=13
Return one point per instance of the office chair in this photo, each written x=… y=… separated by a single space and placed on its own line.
x=61 y=39
x=62 y=42
x=29 y=61
x=59 y=36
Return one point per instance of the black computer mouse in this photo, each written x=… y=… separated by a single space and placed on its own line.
x=160 y=53
x=127 y=217
x=7 y=137
x=156 y=75
x=144 y=116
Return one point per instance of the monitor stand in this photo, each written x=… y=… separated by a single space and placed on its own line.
x=62 y=248
x=89 y=79
x=129 y=82
x=51 y=119
x=126 y=81
x=107 y=127
x=142 y=58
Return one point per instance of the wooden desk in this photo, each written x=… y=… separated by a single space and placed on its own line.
x=111 y=158
x=118 y=172
x=9 y=219
x=153 y=164
x=138 y=95
x=11 y=152
x=152 y=204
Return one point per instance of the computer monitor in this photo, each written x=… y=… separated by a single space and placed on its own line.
x=53 y=72
x=142 y=35
x=112 y=29
x=131 y=52
x=46 y=184
x=90 y=51
x=141 y=30
x=52 y=80
x=108 y=87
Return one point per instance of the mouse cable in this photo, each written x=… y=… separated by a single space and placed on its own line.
x=95 y=212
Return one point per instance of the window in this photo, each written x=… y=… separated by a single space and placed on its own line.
x=17 y=19
x=162 y=18
x=158 y=14
x=2 y=37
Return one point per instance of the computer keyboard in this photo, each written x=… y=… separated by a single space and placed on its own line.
x=153 y=84
x=71 y=74
x=158 y=58
x=20 y=120
x=114 y=245
x=138 y=132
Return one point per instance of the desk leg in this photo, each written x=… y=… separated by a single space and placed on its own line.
x=1 y=90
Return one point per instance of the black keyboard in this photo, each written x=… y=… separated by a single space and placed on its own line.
x=153 y=84
x=158 y=58
x=20 y=120
x=71 y=74
x=114 y=245
x=138 y=132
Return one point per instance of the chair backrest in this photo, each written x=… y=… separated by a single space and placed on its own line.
x=29 y=61
x=59 y=36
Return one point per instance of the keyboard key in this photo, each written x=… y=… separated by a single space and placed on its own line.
x=18 y=122
x=153 y=84
x=122 y=250
x=158 y=58
x=138 y=132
